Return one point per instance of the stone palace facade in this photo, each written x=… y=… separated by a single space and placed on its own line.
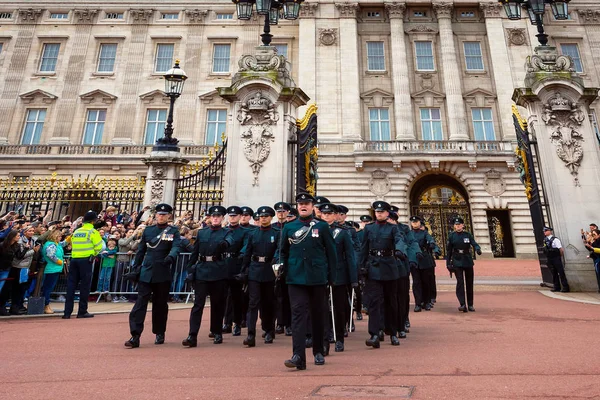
x=414 y=97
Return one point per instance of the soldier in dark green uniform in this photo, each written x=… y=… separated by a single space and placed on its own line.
x=382 y=244
x=460 y=262
x=157 y=251
x=308 y=255
x=292 y=215
x=283 y=312
x=358 y=304
x=207 y=270
x=260 y=254
x=319 y=201
x=423 y=272
x=346 y=274
x=247 y=214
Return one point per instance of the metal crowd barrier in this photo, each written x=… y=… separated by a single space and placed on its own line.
x=119 y=286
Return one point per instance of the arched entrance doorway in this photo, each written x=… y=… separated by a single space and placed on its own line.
x=439 y=199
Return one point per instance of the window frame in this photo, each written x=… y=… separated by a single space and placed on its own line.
x=157 y=122
x=219 y=14
x=594 y=122
x=214 y=50
x=8 y=15
x=155 y=69
x=163 y=14
x=96 y=123
x=117 y=13
x=580 y=58
x=383 y=56
x=287 y=49
x=431 y=121
x=379 y=121
x=51 y=13
x=483 y=121
x=466 y=57
x=431 y=42
x=42 y=58
x=102 y=44
x=35 y=124
x=216 y=122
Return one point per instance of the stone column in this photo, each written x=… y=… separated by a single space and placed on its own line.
x=161 y=180
x=307 y=39
x=457 y=122
x=350 y=77
x=558 y=105
x=500 y=67
x=265 y=105
x=403 y=115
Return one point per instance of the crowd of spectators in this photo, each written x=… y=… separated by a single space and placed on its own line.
x=591 y=240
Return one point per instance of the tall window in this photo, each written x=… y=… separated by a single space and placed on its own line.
x=282 y=49
x=473 y=56
x=216 y=124
x=483 y=124
x=106 y=58
x=164 y=57
x=34 y=124
x=424 y=52
x=379 y=123
x=594 y=122
x=221 y=57
x=155 y=125
x=571 y=49
x=375 y=56
x=49 y=57
x=431 y=124
x=94 y=127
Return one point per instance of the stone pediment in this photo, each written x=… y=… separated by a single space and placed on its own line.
x=38 y=95
x=212 y=97
x=428 y=93
x=479 y=97
x=429 y=98
x=155 y=96
x=98 y=95
x=377 y=97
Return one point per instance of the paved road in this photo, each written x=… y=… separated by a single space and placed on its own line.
x=518 y=345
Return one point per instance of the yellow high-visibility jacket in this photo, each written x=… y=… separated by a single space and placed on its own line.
x=85 y=242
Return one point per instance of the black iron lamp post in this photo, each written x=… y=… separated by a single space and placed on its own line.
x=271 y=9
x=535 y=10
x=174 y=81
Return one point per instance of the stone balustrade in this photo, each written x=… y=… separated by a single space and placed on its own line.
x=450 y=147
x=99 y=150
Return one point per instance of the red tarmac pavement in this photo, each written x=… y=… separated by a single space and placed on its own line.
x=518 y=345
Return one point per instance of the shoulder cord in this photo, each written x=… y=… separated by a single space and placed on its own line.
x=301 y=234
x=159 y=237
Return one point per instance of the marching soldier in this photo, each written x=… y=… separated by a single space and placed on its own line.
x=308 y=255
x=319 y=201
x=157 y=251
x=437 y=252
x=382 y=244
x=292 y=215
x=345 y=273
x=247 y=214
x=259 y=256
x=207 y=270
x=282 y=210
x=460 y=262
x=358 y=306
x=423 y=272
x=284 y=314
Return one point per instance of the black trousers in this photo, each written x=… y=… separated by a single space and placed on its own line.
x=358 y=300
x=284 y=313
x=262 y=296
x=341 y=311
x=383 y=303
x=159 y=293
x=217 y=290
x=422 y=285
x=462 y=275
x=433 y=285
x=80 y=273
x=403 y=301
x=558 y=273
x=235 y=303
x=305 y=301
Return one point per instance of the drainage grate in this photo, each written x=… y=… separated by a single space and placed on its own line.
x=351 y=391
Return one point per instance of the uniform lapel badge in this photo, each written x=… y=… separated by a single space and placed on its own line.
x=298 y=233
x=336 y=232
x=466 y=240
x=272 y=239
x=315 y=233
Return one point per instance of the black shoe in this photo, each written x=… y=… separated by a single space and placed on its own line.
x=288 y=331
x=250 y=341
x=407 y=324
x=402 y=335
x=381 y=336
x=218 y=339
x=86 y=315
x=555 y=290
x=243 y=324
x=211 y=335
x=463 y=308
x=345 y=333
x=160 y=338
x=226 y=328
x=394 y=340
x=330 y=338
x=565 y=290
x=268 y=338
x=373 y=342
x=339 y=346
x=417 y=308
x=309 y=342
x=295 y=362
x=4 y=312
x=471 y=308
x=433 y=301
x=279 y=329
x=133 y=342
x=319 y=359
x=427 y=307
x=406 y=330
x=237 y=330
x=66 y=317
x=353 y=327
x=190 y=341
x=359 y=316
x=326 y=348
x=17 y=311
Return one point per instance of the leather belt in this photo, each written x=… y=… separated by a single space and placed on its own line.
x=231 y=255
x=209 y=258
x=261 y=259
x=459 y=251
x=381 y=253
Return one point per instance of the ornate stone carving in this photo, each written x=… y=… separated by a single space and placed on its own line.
x=157 y=191
x=85 y=16
x=589 y=16
x=547 y=60
x=516 y=36
x=443 y=10
x=491 y=10
x=259 y=63
x=420 y=29
x=308 y=10
x=159 y=172
x=395 y=10
x=359 y=166
x=347 y=10
x=565 y=117
x=328 y=37
x=196 y=16
x=435 y=164
x=380 y=184
x=473 y=165
x=258 y=110
x=427 y=81
x=141 y=16
x=29 y=16
x=493 y=183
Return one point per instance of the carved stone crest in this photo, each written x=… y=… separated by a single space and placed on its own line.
x=157 y=191
x=565 y=117
x=328 y=37
x=493 y=183
x=516 y=36
x=379 y=184
x=546 y=59
x=258 y=109
x=159 y=172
